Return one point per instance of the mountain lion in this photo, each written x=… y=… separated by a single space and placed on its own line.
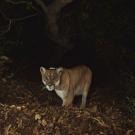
x=68 y=83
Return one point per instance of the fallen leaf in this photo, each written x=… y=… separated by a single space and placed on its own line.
x=129 y=132
x=94 y=109
x=18 y=108
x=12 y=106
x=37 y=117
x=44 y=122
x=57 y=132
x=19 y=123
x=35 y=131
x=101 y=122
x=6 y=130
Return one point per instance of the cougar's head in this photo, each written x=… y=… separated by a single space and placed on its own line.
x=51 y=77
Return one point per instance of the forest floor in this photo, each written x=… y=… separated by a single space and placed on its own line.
x=27 y=109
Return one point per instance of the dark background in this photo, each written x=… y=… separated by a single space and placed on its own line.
x=103 y=34
x=103 y=37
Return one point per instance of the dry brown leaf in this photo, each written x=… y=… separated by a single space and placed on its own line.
x=100 y=122
x=37 y=117
x=2 y=105
x=12 y=106
x=13 y=131
x=86 y=134
x=51 y=125
x=78 y=116
x=57 y=132
x=18 y=108
x=6 y=115
x=23 y=106
x=6 y=130
x=60 y=120
x=39 y=121
x=35 y=131
x=94 y=109
x=20 y=123
x=44 y=122
x=117 y=129
x=129 y=132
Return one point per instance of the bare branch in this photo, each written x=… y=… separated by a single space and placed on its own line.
x=7 y=29
x=20 y=18
x=57 y=5
x=53 y=8
x=17 y=2
x=25 y=17
x=42 y=5
x=52 y=12
x=3 y=15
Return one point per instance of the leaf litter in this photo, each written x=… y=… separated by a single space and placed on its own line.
x=27 y=109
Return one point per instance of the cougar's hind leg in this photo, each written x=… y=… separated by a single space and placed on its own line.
x=84 y=97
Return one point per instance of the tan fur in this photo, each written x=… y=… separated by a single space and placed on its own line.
x=70 y=82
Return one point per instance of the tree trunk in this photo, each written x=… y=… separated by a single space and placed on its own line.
x=62 y=42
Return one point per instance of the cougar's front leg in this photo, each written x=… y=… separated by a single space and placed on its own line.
x=67 y=101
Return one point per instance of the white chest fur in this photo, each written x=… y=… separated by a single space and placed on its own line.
x=60 y=93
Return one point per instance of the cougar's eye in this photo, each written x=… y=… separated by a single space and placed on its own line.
x=53 y=78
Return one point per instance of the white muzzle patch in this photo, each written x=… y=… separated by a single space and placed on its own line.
x=50 y=88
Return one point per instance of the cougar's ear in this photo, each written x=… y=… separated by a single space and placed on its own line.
x=42 y=70
x=59 y=70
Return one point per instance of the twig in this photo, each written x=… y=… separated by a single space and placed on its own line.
x=8 y=26
x=3 y=15
x=16 y=2
x=42 y=5
x=6 y=30
x=24 y=18
x=6 y=130
x=101 y=122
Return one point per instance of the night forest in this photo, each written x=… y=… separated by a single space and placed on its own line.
x=67 y=33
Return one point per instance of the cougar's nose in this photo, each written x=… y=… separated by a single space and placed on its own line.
x=49 y=84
